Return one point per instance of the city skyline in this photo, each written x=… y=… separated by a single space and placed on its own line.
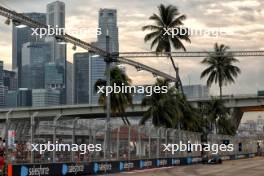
x=131 y=36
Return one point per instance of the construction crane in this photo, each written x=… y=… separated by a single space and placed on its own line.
x=18 y=18
x=188 y=54
x=120 y=57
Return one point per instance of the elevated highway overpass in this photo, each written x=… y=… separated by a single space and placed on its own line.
x=240 y=104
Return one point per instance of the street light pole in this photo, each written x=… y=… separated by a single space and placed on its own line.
x=108 y=100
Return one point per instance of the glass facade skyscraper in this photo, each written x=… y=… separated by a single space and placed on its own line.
x=108 y=24
x=34 y=57
x=2 y=87
x=56 y=18
x=21 y=36
x=81 y=78
x=45 y=97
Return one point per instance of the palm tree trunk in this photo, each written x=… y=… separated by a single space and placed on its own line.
x=175 y=69
x=221 y=93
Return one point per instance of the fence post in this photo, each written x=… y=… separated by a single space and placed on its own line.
x=73 y=136
x=158 y=143
x=139 y=142
x=54 y=135
x=32 y=126
x=129 y=138
x=166 y=141
x=117 y=143
x=149 y=142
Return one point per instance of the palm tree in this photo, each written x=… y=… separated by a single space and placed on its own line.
x=162 y=107
x=214 y=111
x=119 y=101
x=171 y=109
x=191 y=119
x=220 y=67
x=168 y=18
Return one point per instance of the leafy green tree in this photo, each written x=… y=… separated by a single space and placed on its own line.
x=167 y=18
x=221 y=68
x=216 y=115
x=162 y=108
x=119 y=101
x=171 y=109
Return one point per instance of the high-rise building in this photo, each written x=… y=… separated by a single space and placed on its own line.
x=53 y=76
x=19 y=98
x=54 y=79
x=34 y=57
x=3 y=90
x=81 y=78
x=108 y=24
x=56 y=18
x=196 y=91
x=11 y=98
x=21 y=36
x=2 y=87
x=45 y=97
x=1 y=73
x=10 y=80
x=24 y=98
x=69 y=83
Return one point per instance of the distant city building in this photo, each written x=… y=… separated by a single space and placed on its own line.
x=2 y=87
x=21 y=36
x=3 y=90
x=24 y=98
x=108 y=24
x=19 y=98
x=82 y=78
x=10 y=80
x=11 y=98
x=34 y=57
x=196 y=91
x=45 y=97
x=261 y=93
x=1 y=73
x=69 y=83
x=53 y=76
x=251 y=127
x=54 y=79
x=56 y=18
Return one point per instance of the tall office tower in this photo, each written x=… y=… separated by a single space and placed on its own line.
x=45 y=97
x=69 y=83
x=81 y=78
x=196 y=91
x=1 y=73
x=3 y=91
x=21 y=36
x=56 y=18
x=10 y=80
x=24 y=97
x=34 y=57
x=19 y=98
x=2 y=87
x=54 y=79
x=108 y=24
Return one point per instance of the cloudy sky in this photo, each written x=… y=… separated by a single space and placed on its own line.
x=241 y=20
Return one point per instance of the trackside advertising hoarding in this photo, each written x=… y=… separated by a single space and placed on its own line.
x=94 y=168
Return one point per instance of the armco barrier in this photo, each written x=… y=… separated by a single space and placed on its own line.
x=96 y=168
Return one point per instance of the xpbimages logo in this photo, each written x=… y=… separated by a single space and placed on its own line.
x=147 y=90
x=51 y=31
x=182 y=147
x=82 y=148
